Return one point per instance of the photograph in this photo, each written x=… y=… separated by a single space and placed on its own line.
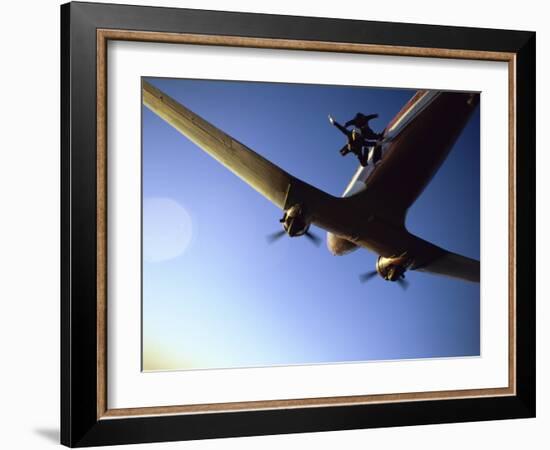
x=300 y=224
x=293 y=221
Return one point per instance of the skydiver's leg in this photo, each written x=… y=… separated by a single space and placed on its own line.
x=376 y=153
x=363 y=156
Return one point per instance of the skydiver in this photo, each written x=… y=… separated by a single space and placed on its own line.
x=361 y=121
x=372 y=139
x=356 y=142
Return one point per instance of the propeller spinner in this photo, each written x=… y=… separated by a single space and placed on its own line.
x=294 y=224
x=390 y=269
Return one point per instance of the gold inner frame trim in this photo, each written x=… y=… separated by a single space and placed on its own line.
x=103 y=36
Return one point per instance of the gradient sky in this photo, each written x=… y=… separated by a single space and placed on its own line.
x=217 y=295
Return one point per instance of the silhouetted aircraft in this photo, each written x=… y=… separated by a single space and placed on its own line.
x=371 y=213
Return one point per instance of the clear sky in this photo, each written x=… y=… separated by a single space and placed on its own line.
x=217 y=295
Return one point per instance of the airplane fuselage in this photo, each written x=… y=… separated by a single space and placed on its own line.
x=415 y=144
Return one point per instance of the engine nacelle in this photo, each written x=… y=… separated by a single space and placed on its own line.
x=393 y=268
x=339 y=246
x=294 y=221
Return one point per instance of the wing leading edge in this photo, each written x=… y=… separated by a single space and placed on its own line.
x=262 y=175
x=275 y=184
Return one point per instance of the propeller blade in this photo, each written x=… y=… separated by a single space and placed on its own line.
x=404 y=284
x=316 y=240
x=271 y=238
x=364 y=277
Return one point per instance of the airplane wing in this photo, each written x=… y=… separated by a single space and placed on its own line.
x=275 y=184
x=433 y=259
x=454 y=266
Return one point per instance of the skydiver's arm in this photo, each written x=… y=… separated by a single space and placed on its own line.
x=342 y=129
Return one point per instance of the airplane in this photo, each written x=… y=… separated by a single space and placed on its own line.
x=372 y=210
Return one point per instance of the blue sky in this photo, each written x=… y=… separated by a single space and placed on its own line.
x=216 y=294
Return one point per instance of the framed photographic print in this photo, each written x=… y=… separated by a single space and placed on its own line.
x=276 y=224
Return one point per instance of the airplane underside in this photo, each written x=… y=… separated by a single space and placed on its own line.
x=372 y=212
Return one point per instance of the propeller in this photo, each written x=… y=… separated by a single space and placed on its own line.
x=273 y=237
x=364 y=277
x=295 y=223
x=315 y=240
x=403 y=284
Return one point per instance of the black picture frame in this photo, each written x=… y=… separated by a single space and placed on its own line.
x=80 y=425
